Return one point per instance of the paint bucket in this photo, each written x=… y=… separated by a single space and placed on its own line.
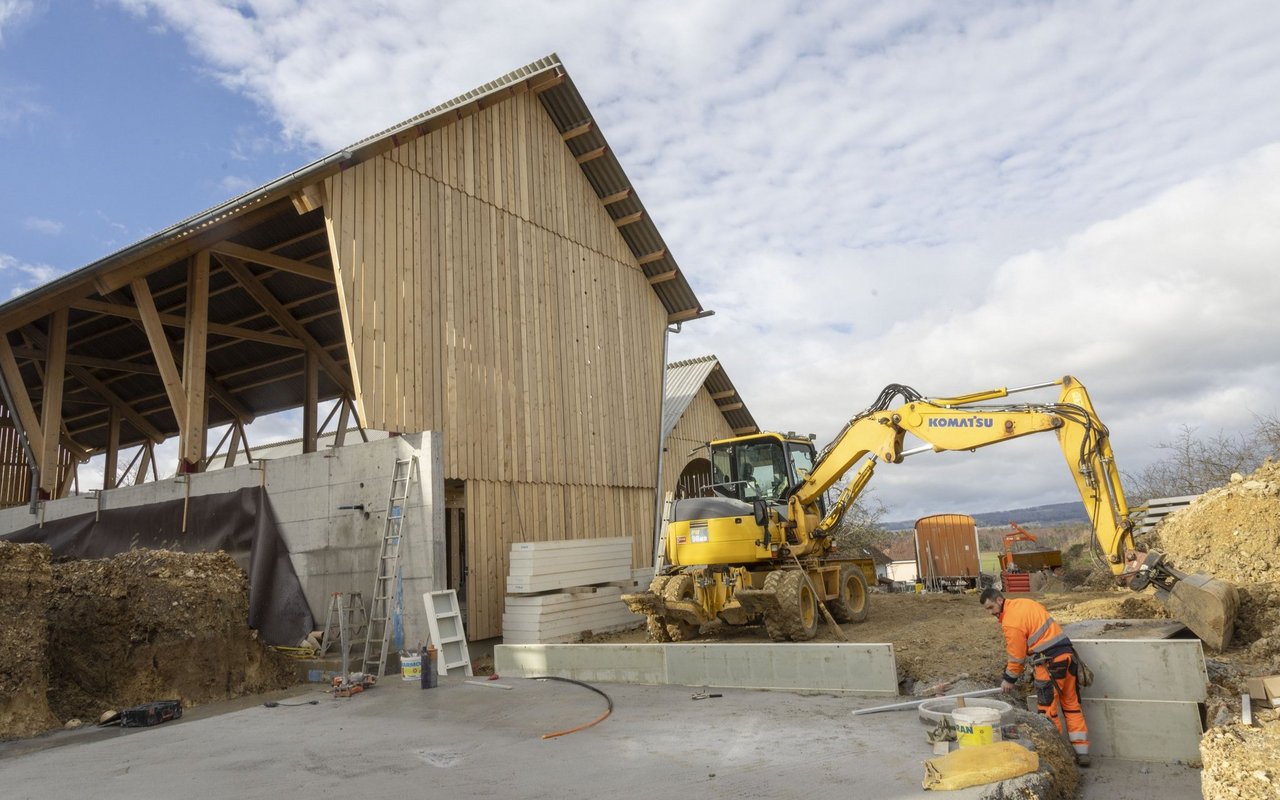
x=976 y=726
x=410 y=668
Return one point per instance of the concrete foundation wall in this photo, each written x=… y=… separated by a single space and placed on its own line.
x=333 y=549
x=854 y=668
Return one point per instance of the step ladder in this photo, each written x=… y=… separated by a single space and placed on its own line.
x=384 y=585
x=346 y=621
x=444 y=620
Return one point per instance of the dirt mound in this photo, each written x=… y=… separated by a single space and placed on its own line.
x=1121 y=604
x=1240 y=762
x=26 y=584
x=1232 y=532
x=152 y=625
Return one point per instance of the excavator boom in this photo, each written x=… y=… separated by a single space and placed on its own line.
x=1205 y=605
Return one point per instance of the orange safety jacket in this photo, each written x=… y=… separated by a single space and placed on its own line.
x=1029 y=631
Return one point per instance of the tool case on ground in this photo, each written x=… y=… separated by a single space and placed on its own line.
x=151 y=713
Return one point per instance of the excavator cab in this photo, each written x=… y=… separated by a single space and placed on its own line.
x=766 y=467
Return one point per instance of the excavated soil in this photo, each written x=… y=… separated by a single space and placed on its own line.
x=26 y=584
x=146 y=625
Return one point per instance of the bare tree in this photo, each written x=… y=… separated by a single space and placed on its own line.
x=861 y=525
x=1194 y=465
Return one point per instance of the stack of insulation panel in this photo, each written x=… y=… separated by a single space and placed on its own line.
x=558 y=591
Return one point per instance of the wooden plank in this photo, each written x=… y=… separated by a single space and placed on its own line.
x=663 y=277
x=649 y=258
x=578 y=130
x=160 y=350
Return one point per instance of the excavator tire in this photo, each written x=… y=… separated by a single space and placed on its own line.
x=775 y=622
x=656 y=625
x=799 y=606
x=851 y=605
x=680 y=587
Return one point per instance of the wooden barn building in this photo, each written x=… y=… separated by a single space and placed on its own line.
x=483 y=270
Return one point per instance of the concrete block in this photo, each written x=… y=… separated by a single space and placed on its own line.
x=856 y=668
x=613 y=663
x=1143 y=730
x=1145 y=669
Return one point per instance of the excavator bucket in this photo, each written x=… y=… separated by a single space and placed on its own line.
x=1206 y=605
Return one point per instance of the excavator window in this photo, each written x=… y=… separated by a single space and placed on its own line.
x=753 y=470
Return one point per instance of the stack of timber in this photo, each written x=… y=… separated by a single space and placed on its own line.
x=559 y=591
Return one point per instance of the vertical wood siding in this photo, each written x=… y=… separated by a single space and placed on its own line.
x=701 y=422
x=487 y=294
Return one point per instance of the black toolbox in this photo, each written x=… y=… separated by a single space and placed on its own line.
x=151 y=713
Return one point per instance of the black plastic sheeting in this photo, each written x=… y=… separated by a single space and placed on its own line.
x=241 y=523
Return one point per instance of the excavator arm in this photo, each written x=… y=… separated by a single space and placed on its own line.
x=1205 y=605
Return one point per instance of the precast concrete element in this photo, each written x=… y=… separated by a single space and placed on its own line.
x=853 y=668
x=1144 y=704
x=330 y=508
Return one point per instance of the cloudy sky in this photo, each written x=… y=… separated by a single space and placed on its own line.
x=950 y=195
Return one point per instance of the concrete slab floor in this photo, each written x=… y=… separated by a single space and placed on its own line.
x=465 y=741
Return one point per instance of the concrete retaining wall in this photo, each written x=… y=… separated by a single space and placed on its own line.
x=333 y=549
x=853 y=668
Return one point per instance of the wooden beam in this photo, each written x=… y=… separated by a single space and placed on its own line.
x=592 y=155
x=160 y=350
x=616 y=197
x=148 y=455
x=25 y=411
x=191 y=437
x=578 y=130
x=55 y=375
x=73 y=360
x=274 y=261
x=309 y=198
x=550 y=81
x=174 y=321
x=649 y=258
x=663 y=277
x=272 y=306
x=115 y=403
x=725 y=395
x=111 y=462
x=629 y=219
x=746 y=430
x=730 y=407
x=233 y=223
x=687 y=314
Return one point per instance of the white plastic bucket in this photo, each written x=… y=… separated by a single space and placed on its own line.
x=976 y=726
x=410 y=668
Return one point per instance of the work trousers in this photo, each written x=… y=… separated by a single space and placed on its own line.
x=1059 y=675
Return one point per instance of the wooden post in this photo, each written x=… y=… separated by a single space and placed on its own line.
x=160 y=350
x=310 y=401
x=112 y=461
x=191 y=437
x=51 y=404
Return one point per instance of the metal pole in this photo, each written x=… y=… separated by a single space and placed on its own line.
x=657 y=481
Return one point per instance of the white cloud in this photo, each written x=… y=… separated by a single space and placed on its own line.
x=13 y=12
x=52 y=227
x=36 y=274
x=949 y=195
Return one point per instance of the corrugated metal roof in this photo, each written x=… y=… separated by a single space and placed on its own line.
x=686 y=378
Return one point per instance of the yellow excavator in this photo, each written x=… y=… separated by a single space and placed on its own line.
x=759 y=549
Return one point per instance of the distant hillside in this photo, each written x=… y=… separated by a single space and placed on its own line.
x=1053 y=514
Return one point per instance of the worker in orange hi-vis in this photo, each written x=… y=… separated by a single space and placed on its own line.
x=1032 y=638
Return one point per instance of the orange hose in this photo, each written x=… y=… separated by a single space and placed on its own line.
x=595 y=721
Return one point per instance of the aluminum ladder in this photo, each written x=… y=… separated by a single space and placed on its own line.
x=384 y=585
x=346 y=621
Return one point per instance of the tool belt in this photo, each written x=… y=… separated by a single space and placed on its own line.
x=1058 y=670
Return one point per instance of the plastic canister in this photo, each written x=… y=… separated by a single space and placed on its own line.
x=410 y=667
x=976 y=725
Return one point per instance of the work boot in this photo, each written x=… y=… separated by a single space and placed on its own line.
x=1082 y=760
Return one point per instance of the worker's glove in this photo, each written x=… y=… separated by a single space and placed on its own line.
x=1006 y=687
